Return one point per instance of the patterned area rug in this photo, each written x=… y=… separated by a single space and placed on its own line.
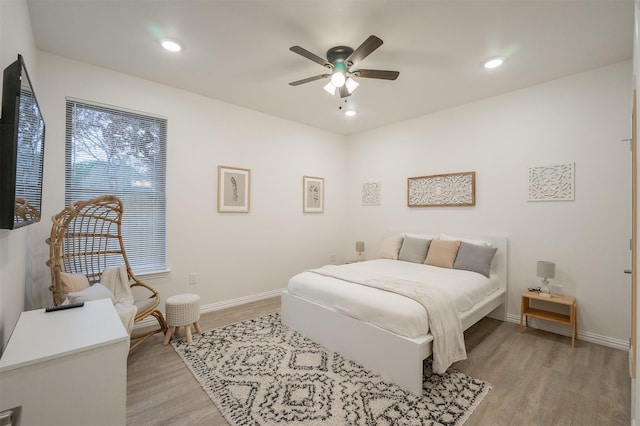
x=259 y=372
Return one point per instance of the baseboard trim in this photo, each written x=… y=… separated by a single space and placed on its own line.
x=565 y=331
x=211 y=307
x=240 y=301
x=513 y=318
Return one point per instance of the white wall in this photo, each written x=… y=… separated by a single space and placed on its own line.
x=581 y=119
x=235 y=255
x=16 y=247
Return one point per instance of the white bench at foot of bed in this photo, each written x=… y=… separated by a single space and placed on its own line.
x=395 y=358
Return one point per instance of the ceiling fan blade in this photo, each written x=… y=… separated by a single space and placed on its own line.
x=308 y=80
x=315 y=58
x=344 y=92
x=384 y=75
x=368 y=46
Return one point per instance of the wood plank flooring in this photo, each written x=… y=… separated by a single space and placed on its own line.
x=537 y=378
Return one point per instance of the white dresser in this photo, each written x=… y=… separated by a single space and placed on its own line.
x=67 y=367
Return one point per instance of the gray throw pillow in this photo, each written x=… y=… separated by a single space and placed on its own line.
x=414 y=249
x=472 y=257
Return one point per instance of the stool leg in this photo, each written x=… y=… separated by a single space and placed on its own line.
x=197 y=327
x=187 y=328
x=167 y=337
x=177 y=331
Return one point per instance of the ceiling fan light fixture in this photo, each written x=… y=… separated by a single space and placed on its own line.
x=493 y=63
x=330 y=88
x=338 y=79
x=351 y=84
x=350 y=112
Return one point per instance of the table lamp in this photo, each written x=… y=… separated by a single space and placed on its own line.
x=360 y=249
x=546 y=270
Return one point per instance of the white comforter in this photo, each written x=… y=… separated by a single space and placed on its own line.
x=391 y=311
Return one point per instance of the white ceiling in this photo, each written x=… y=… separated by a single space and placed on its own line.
x=237 y=51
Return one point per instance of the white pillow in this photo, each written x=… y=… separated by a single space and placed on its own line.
x=466 y=240
x=423 y=236
x=95 y=292
x=391 y=247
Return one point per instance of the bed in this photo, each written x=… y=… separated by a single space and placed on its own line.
x=383 y=331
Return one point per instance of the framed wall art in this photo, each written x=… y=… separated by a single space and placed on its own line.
x=312 y=194
x=371 y=193
x=552 y=183
x=453 y=189
x=234 y=189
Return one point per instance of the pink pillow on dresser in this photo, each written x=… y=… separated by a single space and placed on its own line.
x=73 y=282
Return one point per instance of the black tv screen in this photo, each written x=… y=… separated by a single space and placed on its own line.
x=21 y=150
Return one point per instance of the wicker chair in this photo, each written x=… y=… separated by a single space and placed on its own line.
x=85 y=238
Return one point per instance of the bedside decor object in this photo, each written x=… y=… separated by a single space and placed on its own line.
x=312 y=194
x=234 y=189
x=371 y=193
x=447 y=190
x=546 y=270
x=360 y=249
x=552 y=183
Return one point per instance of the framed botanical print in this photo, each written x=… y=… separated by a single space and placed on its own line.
x=234 y=189
x=312 y=194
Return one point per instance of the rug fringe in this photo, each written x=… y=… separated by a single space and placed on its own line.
x=462 y=420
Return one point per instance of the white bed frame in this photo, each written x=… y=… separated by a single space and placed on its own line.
x=395 y=358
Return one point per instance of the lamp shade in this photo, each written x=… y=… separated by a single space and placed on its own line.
x=330 y=88
x=351 y=84
x=360 y=246
x=546 y=269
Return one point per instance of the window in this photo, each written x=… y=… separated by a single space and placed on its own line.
x=123 y=153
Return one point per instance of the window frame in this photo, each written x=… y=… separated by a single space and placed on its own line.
x=145 y=198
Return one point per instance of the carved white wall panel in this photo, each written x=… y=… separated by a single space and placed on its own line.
x=454 y=189
x=552 y=183
x=371 y=193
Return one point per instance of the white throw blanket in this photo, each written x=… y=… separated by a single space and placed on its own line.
x=116 y=279
x=444 y=321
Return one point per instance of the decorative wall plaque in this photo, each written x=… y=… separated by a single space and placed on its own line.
x=453 y=189
x=371 y=193
x=552 y=183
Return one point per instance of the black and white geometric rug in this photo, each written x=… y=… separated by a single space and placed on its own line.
x=259 y=372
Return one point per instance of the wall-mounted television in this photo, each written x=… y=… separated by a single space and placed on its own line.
x=21 y=150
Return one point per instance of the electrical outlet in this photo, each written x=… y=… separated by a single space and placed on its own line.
x=333 y=258
x=192 y=278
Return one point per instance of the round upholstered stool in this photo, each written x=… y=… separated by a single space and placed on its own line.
x=182 y=310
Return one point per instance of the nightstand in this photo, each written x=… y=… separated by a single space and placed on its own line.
x=527 y=311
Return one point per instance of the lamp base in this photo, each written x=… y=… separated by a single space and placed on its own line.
x=546 y=290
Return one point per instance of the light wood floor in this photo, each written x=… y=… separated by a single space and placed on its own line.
x=537 y=378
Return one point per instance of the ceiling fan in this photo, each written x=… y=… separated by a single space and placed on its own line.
x=340 y=60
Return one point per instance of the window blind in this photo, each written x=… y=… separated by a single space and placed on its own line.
x=121 y=152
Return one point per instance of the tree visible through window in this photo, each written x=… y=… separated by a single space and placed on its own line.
x=122 y=153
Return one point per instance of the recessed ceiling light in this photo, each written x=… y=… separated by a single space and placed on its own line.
x=493 y=63
x=350 y=113
x=171 y=46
